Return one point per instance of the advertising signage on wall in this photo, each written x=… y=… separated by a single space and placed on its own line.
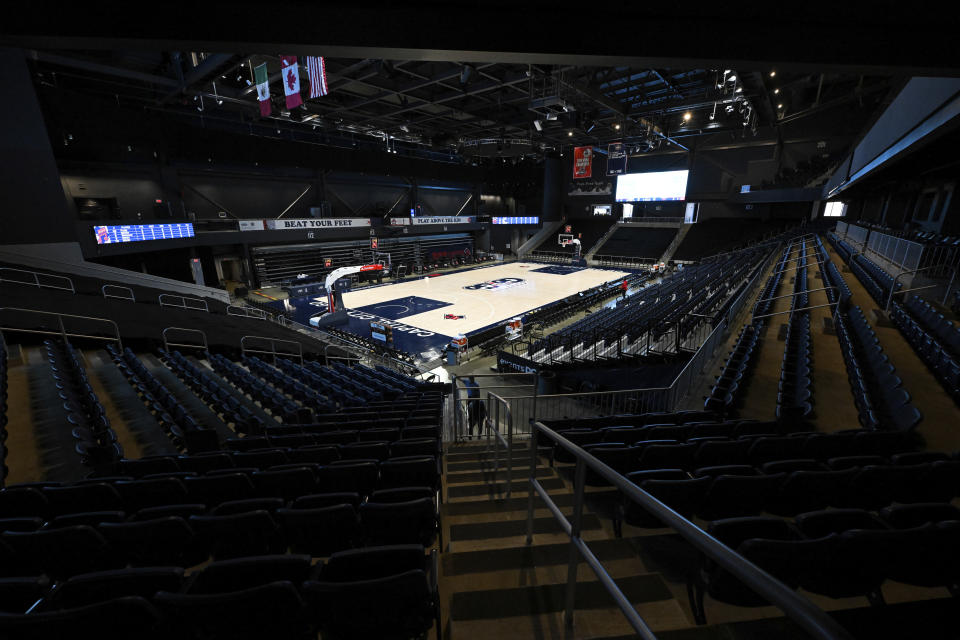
x=582 y=162
x=318 y=223
x=616 y=159
x=252 y=225
x=110 y=234
x=398 y=222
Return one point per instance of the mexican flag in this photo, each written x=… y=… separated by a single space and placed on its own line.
x=290 y=75
x=263 y=88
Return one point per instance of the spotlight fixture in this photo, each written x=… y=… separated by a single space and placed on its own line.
x=773 y=74
x=616 y=126
x=776 y=91
x=687 y=116
x=732 y=78
x=780 y=106
x=569 y=134
x=538 y=125
x=739 y=90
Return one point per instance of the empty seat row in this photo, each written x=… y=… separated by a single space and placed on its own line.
x=794 y=391
x=881 y=400
x=735 y=374
x=94 y=439
x=385 y=591
x=105 y=542
x=790 y=488
x=930 y=348
x=287 y=482
x=171 y=416
x=854 y=562
x=645 y=454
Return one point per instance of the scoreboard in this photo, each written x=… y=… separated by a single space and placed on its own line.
x=110 y=234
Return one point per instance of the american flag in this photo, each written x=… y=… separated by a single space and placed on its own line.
x=317 y=70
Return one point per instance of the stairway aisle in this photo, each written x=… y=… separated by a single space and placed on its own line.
x=22 y=445
x=495 y=586
x=834 y=409
x=940 y=414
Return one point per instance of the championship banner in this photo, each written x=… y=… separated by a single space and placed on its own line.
x=582 y=162
x=318 y=223
x=616 y=159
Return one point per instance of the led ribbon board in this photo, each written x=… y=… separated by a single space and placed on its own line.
x=112 y=234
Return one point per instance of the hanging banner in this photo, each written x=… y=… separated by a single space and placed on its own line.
x=616 y=159
x=317 y=223
x=582 y=162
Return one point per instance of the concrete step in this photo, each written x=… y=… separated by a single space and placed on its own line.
x=538 y=599
x=516 y=527
x=488 y=475
x=477 y=490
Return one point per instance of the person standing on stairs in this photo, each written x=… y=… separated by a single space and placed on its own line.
x=474 y=407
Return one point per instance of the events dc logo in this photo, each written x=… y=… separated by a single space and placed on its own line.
x=494 y=285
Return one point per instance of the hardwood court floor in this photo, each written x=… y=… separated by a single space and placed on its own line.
x=496 y=294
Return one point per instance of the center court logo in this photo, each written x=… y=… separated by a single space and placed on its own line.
x=495 y=285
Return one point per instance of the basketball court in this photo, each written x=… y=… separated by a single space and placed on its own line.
x=427 y=312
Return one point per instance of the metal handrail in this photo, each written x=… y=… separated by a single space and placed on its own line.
x=36 y=279
x=201 y=303
x=893 y=286
x=273 y=347
x=797 y=293
x=493 y=426
x=167 y=344
x=129 y=291
x=804 y=613
x=247 y=312
x=458 y=402
x=63 y=331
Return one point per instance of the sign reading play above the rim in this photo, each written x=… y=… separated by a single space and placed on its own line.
x=318 y=223
x=398 y=222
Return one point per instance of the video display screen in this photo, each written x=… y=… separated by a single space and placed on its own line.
x=515 y=219
x=110 y=234
x=652 y=187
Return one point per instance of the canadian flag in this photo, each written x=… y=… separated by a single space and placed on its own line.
x=290 y=76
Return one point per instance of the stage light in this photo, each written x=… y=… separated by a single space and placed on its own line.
x=773 y=74
x=616 y=126
x=739 y=90
x=776 y=91
x=732 y=78
x=687 y=116
x=569 y=134
x=538 y=125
